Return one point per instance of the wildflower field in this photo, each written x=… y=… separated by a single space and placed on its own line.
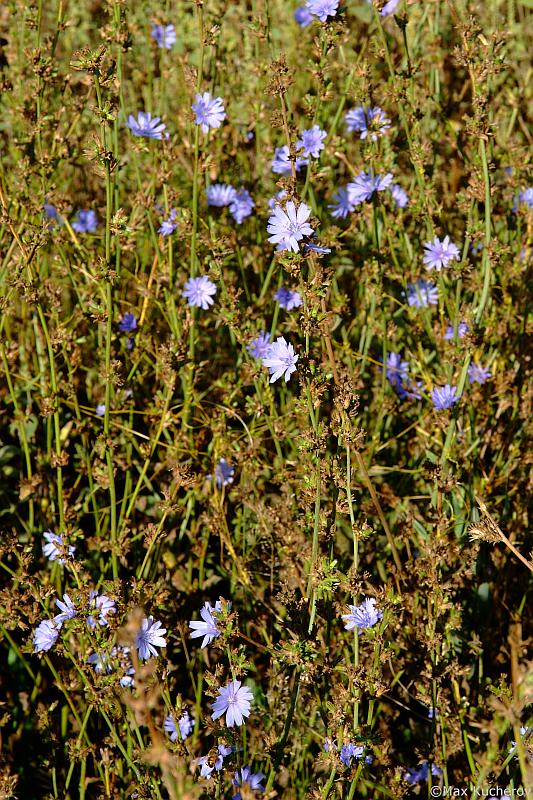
x=265 y=452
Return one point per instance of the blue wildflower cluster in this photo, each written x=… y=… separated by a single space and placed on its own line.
x=95 y=610
x=240 y=201
x=421 y=774
x=348 y=752
x=371 y=122
x=397 y=374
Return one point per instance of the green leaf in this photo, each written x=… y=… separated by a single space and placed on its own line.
x=7 y=452
x=30 y=424
x=419 y=528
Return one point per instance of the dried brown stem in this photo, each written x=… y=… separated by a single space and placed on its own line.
x=502 y=535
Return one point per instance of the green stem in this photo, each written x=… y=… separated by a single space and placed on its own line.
x=486 y=257
x=108 y=339
x=199 y=79
x=285 y=735
x=22 y=432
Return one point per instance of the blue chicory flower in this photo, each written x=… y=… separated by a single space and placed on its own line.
x=315 y=248
x=526 y=197
x=180 y=729
x=245 y=777
x=55 y=548
x=234 y=701
x=343 y=205
x=280 y=360
x=389 y=8
x=364 y=185
x=422 y=294
x=396 y=371
x=220 y=195
x=322 y=8
x=51 y=213
x=103 y=605
x=312 y=141
x=368 y=121
x=199 y=292
x=168 y=225
x=444 y=397
x=67 y=608
x=413 y=776
x=224 y=473
x=164 y=35
x=462 y=330
x=123 y=654
x=207 y=627
x=128 y=323
x=85 y=222
x=290 y=226
x=208 y=766
x=274 y=202
x=288 y=299
x=104 y=662
x=399 y=195
x=349 y=751
x=477 y=374
x=303 y=17
x=281 y=163
x=440 y=254
x=149 y=636
x=258 y=347
x=209 y=111
x=146 y=126
x=411 y=390
x=45 y=636
x=241 y=205
x=363 y=616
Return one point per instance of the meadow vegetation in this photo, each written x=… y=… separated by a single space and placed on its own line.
x=265 y=453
